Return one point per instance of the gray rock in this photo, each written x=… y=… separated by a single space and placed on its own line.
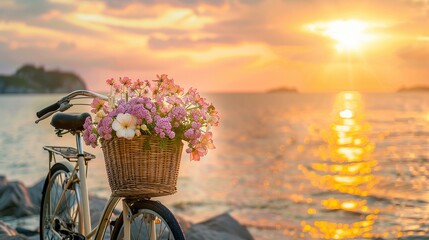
x=26 y=232
x=96 y=207
x=15 y=199
x=18 y=201
x=6 y=230
x=17 y=237
x=184 y=224
x=221 y=227
x=35 y=193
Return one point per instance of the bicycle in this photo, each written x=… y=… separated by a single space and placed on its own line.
x=65 y=212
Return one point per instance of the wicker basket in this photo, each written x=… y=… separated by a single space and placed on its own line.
x=142 y=167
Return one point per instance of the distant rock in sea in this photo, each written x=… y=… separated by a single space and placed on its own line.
x=32 y=79
x=414 y=89
x=283 y=90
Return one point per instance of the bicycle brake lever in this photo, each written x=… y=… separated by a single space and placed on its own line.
x=64 y=106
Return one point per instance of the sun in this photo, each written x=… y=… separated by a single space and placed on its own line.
x=349 y=35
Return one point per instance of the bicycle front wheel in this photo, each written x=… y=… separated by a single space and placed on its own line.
x=59 y=212
x=150 y=220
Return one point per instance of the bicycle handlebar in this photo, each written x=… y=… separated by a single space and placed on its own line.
x=63 y=104
x=86 y=93
x=47 y=109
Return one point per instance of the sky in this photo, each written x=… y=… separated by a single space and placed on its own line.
x=224 y=46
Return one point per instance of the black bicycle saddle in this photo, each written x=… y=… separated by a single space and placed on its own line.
x=69 y=121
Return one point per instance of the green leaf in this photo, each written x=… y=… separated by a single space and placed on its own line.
x=146 y=144
x=163 y=142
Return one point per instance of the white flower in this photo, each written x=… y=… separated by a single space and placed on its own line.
x=99 y=115
x=144 y=128
x=125 y=125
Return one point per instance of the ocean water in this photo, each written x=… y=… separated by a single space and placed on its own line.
x=288 y=166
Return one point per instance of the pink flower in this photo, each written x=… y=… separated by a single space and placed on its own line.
x=195 y=155
x=89 y=136
x=207 y=141
x=125 y=81
x=213 y=117
x=93 y=140
x=159 y=108
x=110 y=81
x=174 y=100
x=97 y=104
x=163 y=77
x=117 y=87
x=137 y=85
x=200 y=149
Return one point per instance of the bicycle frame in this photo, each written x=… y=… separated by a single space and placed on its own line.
x=84 y=211
x=81 y=166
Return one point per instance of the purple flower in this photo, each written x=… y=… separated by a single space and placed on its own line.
x=104 y=128
x=159 y=107
x=163 y=127
x=196 y=125
x=88 y=136
x=178 y=113
x=189 y=133
x=192 y=134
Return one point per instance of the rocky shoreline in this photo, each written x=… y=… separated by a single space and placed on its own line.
x=19 y=202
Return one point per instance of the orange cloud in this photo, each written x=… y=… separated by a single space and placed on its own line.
x=232 y=45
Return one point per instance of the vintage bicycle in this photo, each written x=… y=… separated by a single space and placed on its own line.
x=65 y=212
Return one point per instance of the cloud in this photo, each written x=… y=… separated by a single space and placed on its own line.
x=29 y=10
x=160 y=43
x=416 y=54
x=174 y=18
x=66 y=46
x=183 y=3
x=239 y=41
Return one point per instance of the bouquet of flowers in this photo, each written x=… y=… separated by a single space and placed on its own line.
x=157 y=108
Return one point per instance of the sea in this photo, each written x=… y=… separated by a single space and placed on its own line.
x=344 y=165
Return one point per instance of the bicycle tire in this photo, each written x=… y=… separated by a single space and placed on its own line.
x=67 y=217
x=167 y=225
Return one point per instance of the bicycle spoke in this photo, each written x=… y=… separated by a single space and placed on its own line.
x=147 y=228
x=161 y=233
x=56 y=198
x=75 y=215
x=140 y=229
x=147 y=224
x=60 y=207
x=68 y=209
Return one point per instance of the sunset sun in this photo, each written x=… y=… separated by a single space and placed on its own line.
x=349 y=35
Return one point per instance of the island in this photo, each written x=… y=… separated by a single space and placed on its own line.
x=32 y=79
x=283 y=90
x=414 y=89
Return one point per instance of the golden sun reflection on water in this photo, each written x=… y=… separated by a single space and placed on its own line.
x=347 y=168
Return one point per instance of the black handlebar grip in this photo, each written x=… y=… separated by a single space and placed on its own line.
x=47 y=109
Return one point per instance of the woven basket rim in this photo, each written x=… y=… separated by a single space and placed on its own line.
x=104 y=141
